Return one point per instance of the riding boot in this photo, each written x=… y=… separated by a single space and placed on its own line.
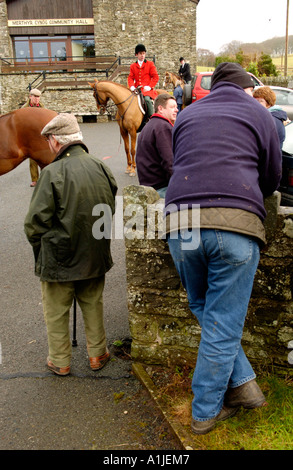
x=150 y=107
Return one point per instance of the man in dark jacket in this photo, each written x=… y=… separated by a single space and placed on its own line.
x=69 y=259
x=226 y=160
x=154 y=156
x=184 y=71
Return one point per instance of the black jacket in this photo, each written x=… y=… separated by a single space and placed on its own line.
x=184 y=72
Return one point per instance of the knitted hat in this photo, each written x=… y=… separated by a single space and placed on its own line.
x=35 y=92
x=63 y=124
x=232 y=72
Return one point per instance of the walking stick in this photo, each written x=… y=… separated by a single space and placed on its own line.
x=74 y=340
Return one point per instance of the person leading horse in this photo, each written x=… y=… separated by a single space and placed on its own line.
x=143 y=73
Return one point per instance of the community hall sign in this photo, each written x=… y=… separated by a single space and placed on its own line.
x=52 y=22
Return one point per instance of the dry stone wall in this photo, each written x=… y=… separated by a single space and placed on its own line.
x=162 y=327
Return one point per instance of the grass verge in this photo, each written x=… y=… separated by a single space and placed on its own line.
x=268 y=428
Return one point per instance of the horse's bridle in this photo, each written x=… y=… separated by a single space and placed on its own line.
x=96 y=96
x=167 y=79
x=104 y=106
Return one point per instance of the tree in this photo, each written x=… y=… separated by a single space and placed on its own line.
x=205 y=57
x=265 y=66
x=242 y=59
x=252 y=68
x=231 y=48
x=223 y=58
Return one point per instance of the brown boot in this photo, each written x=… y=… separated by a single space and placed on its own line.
x=203 y=427
x=97 y=363
x=57 y=370
x=248 y=395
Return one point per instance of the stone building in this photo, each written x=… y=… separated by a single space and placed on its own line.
x=44 y=44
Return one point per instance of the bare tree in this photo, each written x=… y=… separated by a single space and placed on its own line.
x=205 y=57
x=231 y=48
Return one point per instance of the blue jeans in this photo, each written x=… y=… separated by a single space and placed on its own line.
x=162 y=191
x=217 y=273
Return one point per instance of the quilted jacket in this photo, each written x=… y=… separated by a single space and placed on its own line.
x=60 y=222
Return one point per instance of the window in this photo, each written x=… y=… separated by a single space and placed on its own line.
x=58 y=50
x=49 y=49
x=40 y=51
x=21 y=49
x=283 y=97
x=83 y=46
x=206 y=82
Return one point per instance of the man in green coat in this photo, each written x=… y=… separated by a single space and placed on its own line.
x=72 y=258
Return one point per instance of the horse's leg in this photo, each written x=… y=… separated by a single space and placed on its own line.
x=133 y=148
x=125 y=137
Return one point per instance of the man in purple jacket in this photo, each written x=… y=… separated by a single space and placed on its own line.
x=226 y=160
x=154 y=156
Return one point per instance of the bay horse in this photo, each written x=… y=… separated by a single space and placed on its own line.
x=129 y=114
x=172 y=78
x=21 y=138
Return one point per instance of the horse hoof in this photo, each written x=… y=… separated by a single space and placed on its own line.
x=128 y=170
x=132 y=173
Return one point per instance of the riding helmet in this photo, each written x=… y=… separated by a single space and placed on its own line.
x=140 y=48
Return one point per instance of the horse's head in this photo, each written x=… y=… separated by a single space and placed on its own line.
x=100 y=97
x=172 y=78
x=166 y=79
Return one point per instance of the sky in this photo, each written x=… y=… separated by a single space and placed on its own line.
x=222 y=21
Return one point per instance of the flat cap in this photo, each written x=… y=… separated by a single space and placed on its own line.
x=35 y=92
x=63 y=124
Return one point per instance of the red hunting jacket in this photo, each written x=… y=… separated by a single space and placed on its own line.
x=146 y=75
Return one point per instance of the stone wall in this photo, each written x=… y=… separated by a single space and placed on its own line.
x=5 y=42
x=57 y=96
x=162 y=327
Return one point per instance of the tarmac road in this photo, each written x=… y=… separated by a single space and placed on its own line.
x=105 y=410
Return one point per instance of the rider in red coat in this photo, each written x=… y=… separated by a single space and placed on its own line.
x=144 y=73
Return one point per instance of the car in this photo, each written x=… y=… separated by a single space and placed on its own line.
x=201 y=85
x=284 y=98
x=286 y=185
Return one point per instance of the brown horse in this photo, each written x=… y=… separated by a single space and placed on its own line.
x=21 y=138
x=129 y=114
x=172 y=78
